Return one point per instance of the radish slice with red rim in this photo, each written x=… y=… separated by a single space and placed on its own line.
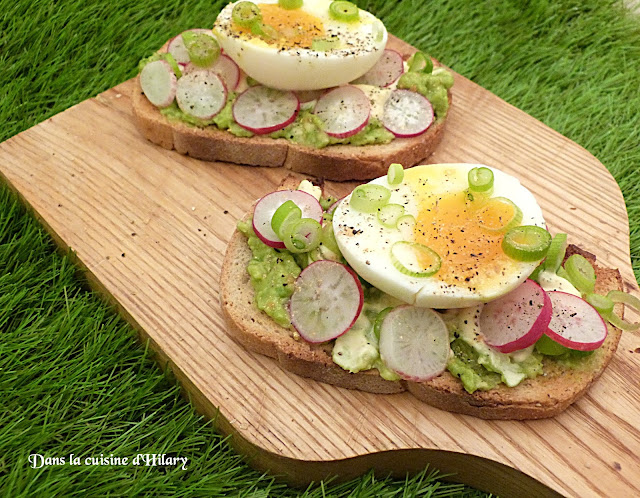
x=414 y=342
x=575 y=323
x=344 y=111
x=326 y=301
x=388 y=69
x=516 y=320
x=265 y=207
x=201 y=94
x=159 y=83
x=261 y=109
x=227 y=70
x=407 y=114
x=177 y=48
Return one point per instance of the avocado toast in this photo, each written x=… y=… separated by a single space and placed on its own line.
x=552 y=390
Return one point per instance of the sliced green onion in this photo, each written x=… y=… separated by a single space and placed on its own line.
x=480 y=179
x=627 y=299
x=369 y=198
x=328 y=238
x=303 y=235
x=581 y=273
x=526 y=243
x=377 y=323
x=389 y=215
x=203 y=49
x=546 y=345
x=395 y=175
x=488 y=220
x=246 y=14
x=415 y=259
x=290 y=4
x=325 y=44
x=172 y=62
x=618 y=322
x=287 y=213
x=406 y=224
x=265 y=31
x=556 y=252
x=344 y=11
x=602 y=304
x=419 y=62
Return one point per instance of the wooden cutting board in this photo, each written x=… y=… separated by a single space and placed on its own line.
x=150 y=227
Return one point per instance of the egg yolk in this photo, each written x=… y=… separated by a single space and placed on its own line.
x=296 y=28
x=452 y=225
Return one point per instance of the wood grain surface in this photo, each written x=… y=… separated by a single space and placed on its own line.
x=150 y=227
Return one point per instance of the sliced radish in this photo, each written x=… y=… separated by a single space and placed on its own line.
x=387 y=70
x=575 y=323
x=159 y=83
x=414 y=342
x=227 y=70
x=517 y=319
x=407 y=114
x=344 y=111
x=201 y=94
x=326 y=302
x=265 y=207
x=262 y=110
x=177 y=48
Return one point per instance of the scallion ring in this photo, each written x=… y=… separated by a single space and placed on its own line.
x=415 y=259
x=369 y=198
x=581 y=273
x=498 y=214
x=526 y=243
x=602 y=304
x=395 y=174
x=627 y=299
x=303 y=235
x=406 y=225
x=419 y=62
x=172 y=62
x=556 y=252
x=246 y=14
x=287 y=213
x=389 y=215
x=341 y=10
x=203 y=49
x=480 y=179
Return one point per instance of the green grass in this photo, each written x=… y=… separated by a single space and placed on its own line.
x=73 y=378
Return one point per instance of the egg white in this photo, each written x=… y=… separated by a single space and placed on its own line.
x=366 y=244
x=304 y=69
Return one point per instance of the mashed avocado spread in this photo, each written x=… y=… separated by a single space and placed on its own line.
x=305 y=130
x=479 y=367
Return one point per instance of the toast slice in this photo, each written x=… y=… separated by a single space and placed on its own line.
x=541 y=397
x=334 y=162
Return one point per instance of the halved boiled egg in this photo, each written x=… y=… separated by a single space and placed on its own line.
x=463 y=234
x=303 y=48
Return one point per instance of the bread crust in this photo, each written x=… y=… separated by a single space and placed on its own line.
x=334 y=162
x=541 y=397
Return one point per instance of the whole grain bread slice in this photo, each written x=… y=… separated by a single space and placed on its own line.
x=335 y=162
x=541 y=397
